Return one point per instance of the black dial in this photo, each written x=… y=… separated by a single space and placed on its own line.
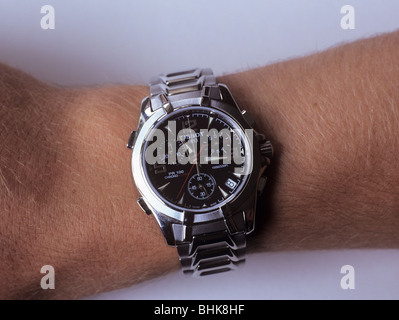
x=198 y=157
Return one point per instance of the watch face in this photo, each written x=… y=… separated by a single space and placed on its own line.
x=195 y=158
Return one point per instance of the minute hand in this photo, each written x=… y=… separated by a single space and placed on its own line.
x=191 y=169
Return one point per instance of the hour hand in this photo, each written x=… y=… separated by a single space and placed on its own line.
x=188 y=148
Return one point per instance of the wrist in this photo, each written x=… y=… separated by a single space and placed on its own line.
x=70 y=200
x=118 y=243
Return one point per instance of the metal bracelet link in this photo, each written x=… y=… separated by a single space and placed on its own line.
x=182 y=82
x=212 y=252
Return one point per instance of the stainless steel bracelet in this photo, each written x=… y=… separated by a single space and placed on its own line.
x=216 y=246
x=188 y=82
x=212 y=252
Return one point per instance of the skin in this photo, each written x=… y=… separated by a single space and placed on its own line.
x=67 y=197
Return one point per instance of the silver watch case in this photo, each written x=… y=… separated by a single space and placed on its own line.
x=170 y=219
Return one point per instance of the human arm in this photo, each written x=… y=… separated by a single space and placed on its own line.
x=334 y=120
x=67 y=198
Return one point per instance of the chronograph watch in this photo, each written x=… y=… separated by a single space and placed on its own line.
x=199 y=167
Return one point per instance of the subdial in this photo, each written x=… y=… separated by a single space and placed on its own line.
x=201 y=186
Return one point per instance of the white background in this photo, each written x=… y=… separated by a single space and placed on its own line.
x=119 y=41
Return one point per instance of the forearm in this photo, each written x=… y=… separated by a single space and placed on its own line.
x=67 y=198
x=334 y=120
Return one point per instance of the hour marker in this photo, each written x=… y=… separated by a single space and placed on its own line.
x=161 y=188
x=224 y=193
x=159 y=168
x=238 y=175
x=181 y=200
x=210 y=121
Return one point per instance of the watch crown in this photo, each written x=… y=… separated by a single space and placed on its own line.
x=266 y=149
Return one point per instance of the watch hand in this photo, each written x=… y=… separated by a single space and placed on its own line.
x=188 y=148
x=203 y=188
x=191 y=169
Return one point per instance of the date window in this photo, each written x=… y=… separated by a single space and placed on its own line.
x=231 y=184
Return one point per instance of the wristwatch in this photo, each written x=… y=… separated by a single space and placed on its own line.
x=199 y=167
